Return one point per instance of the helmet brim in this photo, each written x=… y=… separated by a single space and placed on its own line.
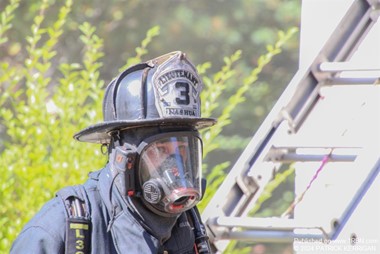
x=101 y=132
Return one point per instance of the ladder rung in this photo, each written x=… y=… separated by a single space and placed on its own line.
x=290 y=157
x=353 y=81
x=279 y=224
x=290 y=154
x=270 y=236
x=346 y=66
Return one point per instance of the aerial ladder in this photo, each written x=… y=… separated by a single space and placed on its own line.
x=315 y=125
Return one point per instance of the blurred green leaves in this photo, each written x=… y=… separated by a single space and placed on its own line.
x=211 y=99
x=39 y=116
x=6 y=18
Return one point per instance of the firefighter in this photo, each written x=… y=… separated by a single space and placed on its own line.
x=144 y=199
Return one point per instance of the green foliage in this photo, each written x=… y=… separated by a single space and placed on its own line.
x=142 y=50
x=45 y=98
x=6 y=18
x=37 y=156
x=214 y=89
x=261 y=209
x=233 y=248
x=218 y=84
x=279 y=179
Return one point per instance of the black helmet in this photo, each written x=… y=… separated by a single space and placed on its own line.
x=160 y=92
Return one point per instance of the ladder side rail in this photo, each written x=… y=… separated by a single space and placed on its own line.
x=349 y=33
x=364 y=187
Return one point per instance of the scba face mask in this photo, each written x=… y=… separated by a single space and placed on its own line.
x=170 y=171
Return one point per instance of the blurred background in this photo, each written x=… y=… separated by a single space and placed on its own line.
x=206 y=30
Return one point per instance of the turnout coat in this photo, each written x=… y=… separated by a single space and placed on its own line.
x=115 y=226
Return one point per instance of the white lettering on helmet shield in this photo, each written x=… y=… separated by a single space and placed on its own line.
x=177 y=88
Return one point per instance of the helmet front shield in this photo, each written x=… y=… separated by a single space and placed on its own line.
x=164 y=91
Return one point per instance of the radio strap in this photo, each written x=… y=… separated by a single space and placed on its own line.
x=78 y=222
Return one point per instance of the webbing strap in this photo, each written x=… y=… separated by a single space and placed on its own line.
x=202 y=244
x=78 y=221
x=78 y=236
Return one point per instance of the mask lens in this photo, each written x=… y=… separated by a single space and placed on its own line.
x=171 y=164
